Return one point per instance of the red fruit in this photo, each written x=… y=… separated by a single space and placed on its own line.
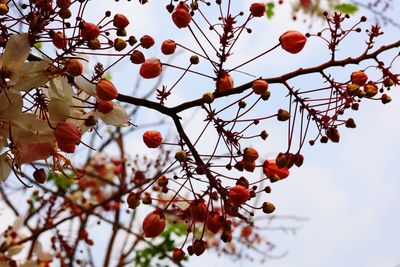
x=178 y=255
x=213 y=222
x=198 y=210
x=154 y=223
x=151 y=68
x=238 y=195
x=59 y=40
x=359 y=78
x=152 y=139
x=74 y=67
x=168 y=47
x=105 y=107
x=89 y=31
x=67 y=136
x=272 y=171
x=293 y=41
x=260 y=87
x=146 y=41
x=181 y=17
x=106 y=90
x=225 y=83
x=257 y=9
x=120 y=21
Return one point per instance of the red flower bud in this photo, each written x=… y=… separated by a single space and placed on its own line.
x=137 y=57
x=386 y=99
x=198 y=210
x=106 y=90
x=359 y=78
x=260 y=87
x=40 y=176
x=89 y=31
x=152 y=139
x=178 y=255
x=67 y=136
x=293 y=41
x=105 y=107
x=168 y=47
x=133 y=200
x=151 y=68
x=370 y=89
x=249 y=166
x=238 y=195
x=146 y=41
x=181 y=17
x=273 y=172
x=257 y=9
x=154 y=223
x=74 y=67
x=225 y=82
x=213 y=222
x=59 y=40
x=120 y=21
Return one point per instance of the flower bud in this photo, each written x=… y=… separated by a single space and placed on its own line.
x=283 y=115
x=250 y=154
x=352 y=89
x=59 y=40
x=264 y=135
x=249 y=166
x=298 y=160
x=181 y=155
x=67 y=136
x=282 y=160
x=152 y=138
x=146 y=41
x=3 y=9
x=154 y=223
x=259 y=87
x=65 y=13
x=105 y=107
x=121 y=32
x=74 y=67
x=238 y=195
x=257 y=9
x=120 y=21
x=333 y=134
x=386 y=99
x=89 y=31
x=359 y=78
x=168 y=47
x=106 y=90
x=199 y=246
x=63 y=4
x=137 y=57
x=133 y=200
x=293 y=41
x=350 y=123
x=224 y=83
x=370 y=90
x=40 y=176
x=213 y=222
x=151 y=68
x=268 y=207
x=181 y=18
x=208 y=98
x=178 y=255
x=194 y=59
x=94 y=44
x=388 y=82
x=119 y=44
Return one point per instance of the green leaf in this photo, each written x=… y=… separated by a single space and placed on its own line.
x=347 y=8
x=270 y=10
x=38 y=45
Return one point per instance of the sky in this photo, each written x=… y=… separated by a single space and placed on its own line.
x=348 y=191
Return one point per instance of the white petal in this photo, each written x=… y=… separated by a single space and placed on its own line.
x=85 y=86
x=31 y=74
x=117 y=117
x=16 y=52
x=61 y=89
x=14 y=250
x=11 y=105
x=58 y=110
x=5 y=168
